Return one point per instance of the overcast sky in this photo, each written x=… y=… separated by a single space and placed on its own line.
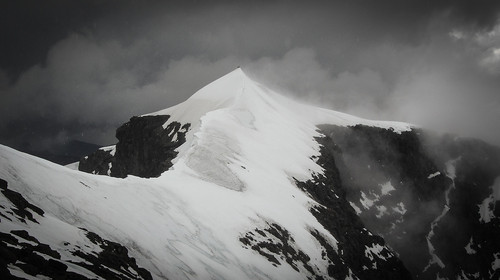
x=78 y=69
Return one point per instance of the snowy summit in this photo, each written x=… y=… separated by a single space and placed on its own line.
x=237 y=182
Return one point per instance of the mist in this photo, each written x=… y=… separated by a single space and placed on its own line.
x=431 y=64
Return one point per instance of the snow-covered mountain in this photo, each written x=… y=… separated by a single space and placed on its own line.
x=239 y=182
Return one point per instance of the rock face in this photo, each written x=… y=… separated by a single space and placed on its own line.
x=24 y=255
x=145 y=149
x=431 y=198
x=430 y=201
x=275 y=243
x=99 y=162
x=359 y=251
x=256 y=194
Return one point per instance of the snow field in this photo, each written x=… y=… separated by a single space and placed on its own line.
x=234 y=173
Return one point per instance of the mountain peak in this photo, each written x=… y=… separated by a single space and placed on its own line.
x=216 y=95
x=238 y=91
x=243 y=183
x=224 y=88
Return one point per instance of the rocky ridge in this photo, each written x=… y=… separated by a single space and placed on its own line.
x=367 y=200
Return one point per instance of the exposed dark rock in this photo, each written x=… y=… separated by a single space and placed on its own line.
x=415 y=163
x=477 y=166
x=339 y=218
x=22 y=251
x=144 y=148
x=422 y=198
x=99 y=162
x=29 y=258
x=275 y=244
x=112 y=262
x=336 y=267
x=24 y=234
x=22 y=206
x=368 y=157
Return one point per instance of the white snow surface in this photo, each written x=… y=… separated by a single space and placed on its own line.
x=437 y=173
x=486 y=208
x=253 y=105
x=387 y=188
x=234 y=172
x=468 y=247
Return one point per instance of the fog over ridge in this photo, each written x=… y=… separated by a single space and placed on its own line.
x=432 y=63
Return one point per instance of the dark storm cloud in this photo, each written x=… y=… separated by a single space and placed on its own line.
x=31 y=27
x=482 y=13
x=28 y=29
x=88 y=66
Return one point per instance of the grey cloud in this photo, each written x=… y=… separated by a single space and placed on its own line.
x=99 y=85
x=219 y=28
x=382 y=60
x=437 y=84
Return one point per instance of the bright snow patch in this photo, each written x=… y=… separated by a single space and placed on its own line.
x=485 y=212
x=356 y=208
x=365 y=201
x=382 y=210
x=486 y=208
x=73 y=166
x=434 y=175
x=401 y=209
x=469 y=249
x=496 y=263
x=111 y=149
x=387 y=188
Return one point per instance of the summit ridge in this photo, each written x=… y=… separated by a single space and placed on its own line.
x=241 y=182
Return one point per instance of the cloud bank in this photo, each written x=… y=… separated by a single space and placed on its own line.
x=432 y=64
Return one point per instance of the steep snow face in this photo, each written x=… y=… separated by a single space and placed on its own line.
x=238 y=124
x=227 y=116
x=253 y=105
x=176 y=226
x=236 y=172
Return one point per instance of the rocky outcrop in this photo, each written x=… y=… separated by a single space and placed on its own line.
x=22 y=254
x=145 y=148
x=466 y=237
x=99 y=162
x=411 y=204
x=358 y=252
x=424 y=194
x=277 y=245
x=22 y=209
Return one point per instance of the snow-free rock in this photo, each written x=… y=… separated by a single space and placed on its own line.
x=145 y=149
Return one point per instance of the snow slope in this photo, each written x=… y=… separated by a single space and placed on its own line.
x=253 y=104
x=234 y=173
